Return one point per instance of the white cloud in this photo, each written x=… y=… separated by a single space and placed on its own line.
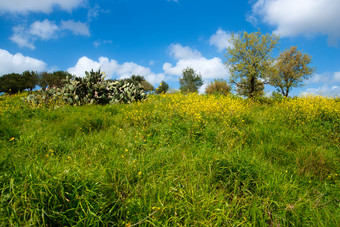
x=77 y=28
x=300 y=17
x=98 y=42
x=187 y=57
x=180 y=52
x=221 y=39
x=113 y=69
x=45 y=6
x=18 y=63
x=25 y=36
x=319 y=78
x=44 y=30
x=21 y=38
x=201 y=90
x=326 y=78
x=336 y=77
x=324 y=90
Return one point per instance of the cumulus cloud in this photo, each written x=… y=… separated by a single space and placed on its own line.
x=326 y=78
x=20 y=37
x=300 y=17
x=221 y=39
x=180 y=52
x=115 y=70
x=324 y=90
x=77 y=28
x=18 y=63
x=187 y=57
x=45 y=6
x=320 y=78
x=43 y=29
x=25 y=36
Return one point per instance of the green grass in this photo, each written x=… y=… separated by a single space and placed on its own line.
x=96 y=166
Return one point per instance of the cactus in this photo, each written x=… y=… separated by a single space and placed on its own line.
x=91 y=89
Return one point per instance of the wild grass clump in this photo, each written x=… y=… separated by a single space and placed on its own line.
x=173 y=159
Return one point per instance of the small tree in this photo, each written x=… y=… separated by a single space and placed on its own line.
x=249 y=62
x=29 y=79
x=291 y=69
x=11 y=83
x=147 y=86
x=58 y=78
x=55 y=79
x=162 y=88
x=218 y=87
x=137 y=79
x=190 y=81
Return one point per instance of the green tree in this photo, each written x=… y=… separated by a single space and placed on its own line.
x=218 y=87
x=55 y=79
x=58 y=78
x=137 y=79
x=291 y=69
x=190 y=80
x=11 y=83
x=44 y=79
x=250 y=63
x=162 y=88
x=29 y=79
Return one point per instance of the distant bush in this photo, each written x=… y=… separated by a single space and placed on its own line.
x=218 y=87
x=162 y=88
x=137 y=79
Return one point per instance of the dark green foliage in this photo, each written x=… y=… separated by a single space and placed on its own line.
x=11 y=83
x=14 y=82
x=190 y=81
x=30 y=79
x=53 y=80
x=162 y=88
x=137 y=79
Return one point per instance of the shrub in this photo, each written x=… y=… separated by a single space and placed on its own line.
x=162 y=88
x=218 y=87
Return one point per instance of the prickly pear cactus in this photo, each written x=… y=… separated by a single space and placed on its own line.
x=91 y=89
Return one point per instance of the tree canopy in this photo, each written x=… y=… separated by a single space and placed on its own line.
x=249 y=62
x=291 y=69
x=162 y=88
x=137 y=79
x=190 y=80
x=218 y=87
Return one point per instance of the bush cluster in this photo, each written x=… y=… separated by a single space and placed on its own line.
x=218 y=87
x=89 y=90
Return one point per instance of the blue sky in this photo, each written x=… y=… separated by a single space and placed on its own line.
x=158 y=38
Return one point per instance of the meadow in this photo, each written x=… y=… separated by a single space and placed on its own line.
x=171 y=160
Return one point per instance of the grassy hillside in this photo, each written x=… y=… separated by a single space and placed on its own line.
x=187 y=160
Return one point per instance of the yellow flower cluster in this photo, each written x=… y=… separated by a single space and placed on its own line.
x=192 y=106
x=309 y=108
x=11 y=103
